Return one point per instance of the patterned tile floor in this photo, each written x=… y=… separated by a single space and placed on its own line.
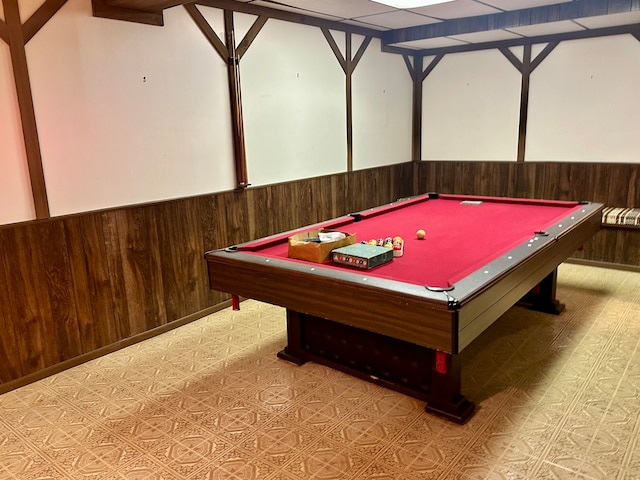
x=558 y=397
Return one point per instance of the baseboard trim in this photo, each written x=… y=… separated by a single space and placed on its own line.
x=596 y=263
x=100 y=352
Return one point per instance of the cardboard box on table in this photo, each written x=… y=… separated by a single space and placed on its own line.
x=302 y=249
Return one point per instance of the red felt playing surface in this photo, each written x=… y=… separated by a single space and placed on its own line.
x=460 y=238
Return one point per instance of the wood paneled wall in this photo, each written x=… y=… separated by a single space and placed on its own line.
x=615 y=185
x=75 y=287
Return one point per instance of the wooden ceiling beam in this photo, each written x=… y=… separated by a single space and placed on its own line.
x=512 y=19
x=41 y=16
x=288 y=16
x=102 y=9
x=27 y=110
x=4 y=31
x=208 y=32
x=559 y=37
x=146 y=5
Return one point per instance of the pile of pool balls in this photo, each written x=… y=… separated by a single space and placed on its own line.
x=396 y=243
x=386 y=242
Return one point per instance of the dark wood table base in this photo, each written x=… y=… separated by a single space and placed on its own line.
x=421 y=372
x=414 y=370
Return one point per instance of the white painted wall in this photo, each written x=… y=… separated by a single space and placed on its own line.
x=382 y=98
x=131 y=113
x=27 y=8
x=128 y=113
x=16 y=202
x=585 y=102
x=294 y=105
x=471 y=105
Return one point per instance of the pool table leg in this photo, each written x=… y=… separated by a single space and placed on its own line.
x=542 y=298
x=446 y=399
x=437 y=381
x=294 y=351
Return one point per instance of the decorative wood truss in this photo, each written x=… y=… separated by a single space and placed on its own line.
x=16 y=35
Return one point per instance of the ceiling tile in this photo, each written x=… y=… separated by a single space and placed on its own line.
x=547 y=28
x=615 y=19
x=426 y=43
x=296 y=10
x=488 y=36
x=520 y=4
x=338 y=8
x=363 y=24
x=375 y=16
x=397 y=19
x=455 y=9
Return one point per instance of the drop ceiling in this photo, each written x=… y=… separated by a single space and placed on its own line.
x=457 y=24
x=370 y=14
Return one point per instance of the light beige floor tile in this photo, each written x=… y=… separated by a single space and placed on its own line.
x=558 y=397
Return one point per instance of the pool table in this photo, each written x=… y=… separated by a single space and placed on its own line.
x=403 y=324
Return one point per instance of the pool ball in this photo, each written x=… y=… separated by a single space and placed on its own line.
x=420 y=234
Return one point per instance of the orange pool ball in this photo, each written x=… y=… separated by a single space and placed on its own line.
x=420 y=234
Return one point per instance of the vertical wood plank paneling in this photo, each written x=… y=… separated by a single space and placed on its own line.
x=11 y=366
x=467 y=176
x=233 y=215
x=619 y=185
x=443 y=178
x=629 y=251
x=224 y=221
x=309 y=201
x=291 y=205
x=597 y=179
x=485 y=178
x=338 y=195
x=405 y=186
x=134 y=254
x=361 y=191
x=633 y=193
x=70 y=286
x=28 y=296
x=211 y=237
x=456 y=172
x=180 y=254
x=611 y=184
x=579 y=182
x=314 y=195
x=425 y=177
x=40 y=289
x=260 y=205
x=59 y=283
x=321 y=194
x=91 y=282
x=116 y=273
x=367 y=188
x=525 y=180
x=613 y=245
x=73 y=285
